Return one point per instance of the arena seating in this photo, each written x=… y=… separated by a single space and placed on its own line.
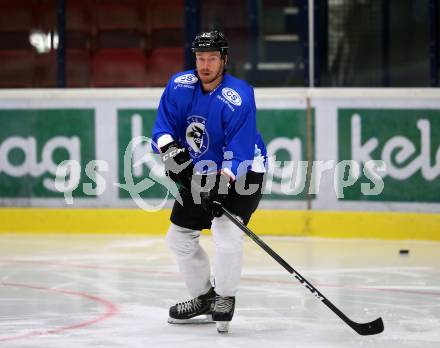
x=109 y=43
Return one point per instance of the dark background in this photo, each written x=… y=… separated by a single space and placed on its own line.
x=140 y=43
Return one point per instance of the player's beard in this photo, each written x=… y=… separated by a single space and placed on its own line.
x=213 y=75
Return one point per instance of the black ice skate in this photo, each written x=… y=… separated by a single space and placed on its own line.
x=185 y=312
x=223 y=312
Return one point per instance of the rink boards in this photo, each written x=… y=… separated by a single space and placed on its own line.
x=333 y=131
x=377 y=225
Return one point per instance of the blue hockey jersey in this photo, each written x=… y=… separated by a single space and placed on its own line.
x=218 y=127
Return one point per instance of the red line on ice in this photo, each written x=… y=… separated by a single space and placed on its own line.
x=244 y=278
x=111 y=310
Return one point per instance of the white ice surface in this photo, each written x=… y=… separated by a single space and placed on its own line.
x=114 y=291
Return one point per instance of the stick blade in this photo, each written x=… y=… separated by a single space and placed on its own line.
x=372 y=328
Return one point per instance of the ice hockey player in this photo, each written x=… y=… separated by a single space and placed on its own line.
x=206 y=124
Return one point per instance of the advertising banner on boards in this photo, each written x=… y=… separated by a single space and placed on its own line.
x=365 y=154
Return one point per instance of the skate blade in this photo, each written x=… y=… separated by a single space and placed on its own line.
x=222 y=327
x=207 y=319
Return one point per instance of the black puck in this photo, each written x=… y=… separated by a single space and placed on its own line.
x=403 y=251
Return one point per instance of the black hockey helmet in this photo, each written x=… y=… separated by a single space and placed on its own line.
x=213 y=40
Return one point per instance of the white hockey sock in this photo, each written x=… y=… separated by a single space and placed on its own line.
x=192 y=260
x=228 y=240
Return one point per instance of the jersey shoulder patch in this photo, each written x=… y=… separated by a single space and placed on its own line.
x=186 y=79
x=236 y=92
x=232 y=96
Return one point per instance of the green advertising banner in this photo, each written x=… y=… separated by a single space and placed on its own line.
x=407 y=140
x=285 y=134
x=372 y=152
x=32 y=144
x=136 y=160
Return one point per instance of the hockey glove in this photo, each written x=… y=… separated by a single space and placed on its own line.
x=213 y=200
x=178 y=163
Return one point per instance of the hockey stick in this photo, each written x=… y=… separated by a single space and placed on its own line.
x=371 y=328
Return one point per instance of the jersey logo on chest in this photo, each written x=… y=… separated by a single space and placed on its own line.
x=196 y=135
